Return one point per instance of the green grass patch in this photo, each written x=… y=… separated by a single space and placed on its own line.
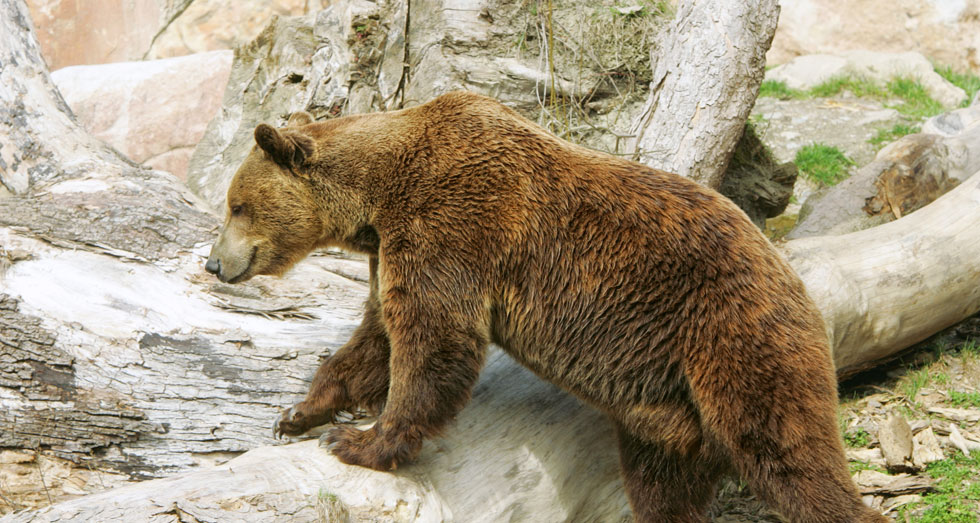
x=969 y=82
x=779 y=89
x=887 y=136
x=970 y=348
x=861 y=87
x=964 y=399
x=957 y=491
x=757 y=120
x=916 y=101
x=857 y=438
x=914 y=381
x=856 y=466
x=823 y=163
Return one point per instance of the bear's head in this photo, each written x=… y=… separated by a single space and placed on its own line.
x=273 y=216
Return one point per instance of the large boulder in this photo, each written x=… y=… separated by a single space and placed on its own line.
x=154 y=111
x=948 y=32
x=905 y=176
x=809 y=71
x=208 y=25
x=72 y=32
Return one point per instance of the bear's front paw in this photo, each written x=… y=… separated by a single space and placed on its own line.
x=370 y=448
x=298 y=419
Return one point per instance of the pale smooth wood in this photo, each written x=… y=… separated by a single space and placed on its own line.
x=883 y=289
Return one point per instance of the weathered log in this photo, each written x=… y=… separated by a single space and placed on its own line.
x=707 y=71
x=105 y=330
x=883 y=289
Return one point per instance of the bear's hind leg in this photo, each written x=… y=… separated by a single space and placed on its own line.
x=666 y=485
x=780 y=430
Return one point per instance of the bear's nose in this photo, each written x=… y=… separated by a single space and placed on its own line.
x=213 y=266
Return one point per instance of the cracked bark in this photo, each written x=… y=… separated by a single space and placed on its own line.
x=707 y=70
x=98 y=270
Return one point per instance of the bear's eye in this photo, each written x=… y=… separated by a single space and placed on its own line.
x=236 y=210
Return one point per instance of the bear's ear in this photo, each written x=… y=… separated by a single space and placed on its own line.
x=289 y=149
x=299 y=118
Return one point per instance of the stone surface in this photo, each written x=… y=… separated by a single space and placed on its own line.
x=154 y=112
x=944 y=30
x=869 y=456
x=895 y=437
x=76 y=32
x=209 y=25
x=926 y=448
x=808 y=71
x=953 y=122
x=845 y=122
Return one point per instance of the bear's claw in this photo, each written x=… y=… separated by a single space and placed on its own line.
x=297 y=419
x=278 y=431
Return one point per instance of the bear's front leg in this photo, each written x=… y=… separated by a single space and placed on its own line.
x=437 y=350
x=356 y=376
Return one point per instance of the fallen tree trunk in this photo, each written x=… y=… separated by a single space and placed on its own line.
x=883 y=289
x=880 y=290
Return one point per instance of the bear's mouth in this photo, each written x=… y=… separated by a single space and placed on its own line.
x=245 y=274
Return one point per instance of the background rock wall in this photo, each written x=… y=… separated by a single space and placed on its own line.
x=79 y=32
x=947 y=31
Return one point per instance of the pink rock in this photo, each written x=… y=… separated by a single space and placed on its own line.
x=78 y=32
x=154 y=111
x=84 y=32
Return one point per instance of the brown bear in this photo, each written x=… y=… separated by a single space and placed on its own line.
x=645 y=294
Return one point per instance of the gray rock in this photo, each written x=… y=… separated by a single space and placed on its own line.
x=844 y=122
x=895 y=438
x=953 y=122
x=808 y=71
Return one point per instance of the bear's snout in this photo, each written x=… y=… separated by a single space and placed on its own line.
x=213 y=266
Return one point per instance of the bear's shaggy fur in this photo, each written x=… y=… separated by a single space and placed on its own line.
x=650 y=297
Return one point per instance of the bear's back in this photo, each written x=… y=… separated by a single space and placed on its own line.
x=612 y=277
